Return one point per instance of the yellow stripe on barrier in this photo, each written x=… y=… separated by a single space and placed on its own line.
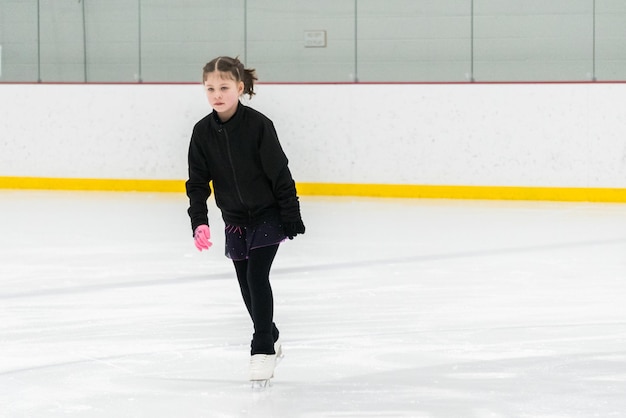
x=120 y=185
x=569 y=194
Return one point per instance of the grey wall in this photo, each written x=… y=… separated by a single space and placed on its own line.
x=368 y=40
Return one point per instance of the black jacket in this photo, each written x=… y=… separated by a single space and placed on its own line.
x=248 y=167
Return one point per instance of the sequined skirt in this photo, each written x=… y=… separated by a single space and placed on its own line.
x=241 y=240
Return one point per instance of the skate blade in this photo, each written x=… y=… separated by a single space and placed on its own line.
x=261 y=384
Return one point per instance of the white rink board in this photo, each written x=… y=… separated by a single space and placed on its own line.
x=553 y=135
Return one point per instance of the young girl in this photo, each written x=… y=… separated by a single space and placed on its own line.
x=236 y=147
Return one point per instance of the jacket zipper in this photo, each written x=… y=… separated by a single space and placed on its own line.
x=232 y=167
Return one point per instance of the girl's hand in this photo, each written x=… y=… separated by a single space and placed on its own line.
x=293 y=228
x=201 y=237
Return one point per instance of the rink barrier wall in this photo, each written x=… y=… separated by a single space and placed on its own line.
x=523 y=141
x=570 y=194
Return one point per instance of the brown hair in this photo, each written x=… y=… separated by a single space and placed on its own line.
x=235 y=69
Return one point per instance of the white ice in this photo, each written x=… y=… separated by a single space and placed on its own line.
x=387 y=308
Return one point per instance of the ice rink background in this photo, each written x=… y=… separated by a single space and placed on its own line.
x=387 y=308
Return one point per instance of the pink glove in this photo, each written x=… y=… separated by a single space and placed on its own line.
x=201 y=237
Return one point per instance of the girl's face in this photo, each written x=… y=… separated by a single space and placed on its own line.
x=223 y=93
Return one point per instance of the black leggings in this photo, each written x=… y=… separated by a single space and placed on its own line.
x=253 y=275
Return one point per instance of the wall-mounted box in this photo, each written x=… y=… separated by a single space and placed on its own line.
x=315 y=39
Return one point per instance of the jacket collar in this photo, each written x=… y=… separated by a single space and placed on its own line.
x=234 y=120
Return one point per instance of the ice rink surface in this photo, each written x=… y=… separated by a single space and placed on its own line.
x=387 y=308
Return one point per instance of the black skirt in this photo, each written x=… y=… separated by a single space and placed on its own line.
x=240 y=240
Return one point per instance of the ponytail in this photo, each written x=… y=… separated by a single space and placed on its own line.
x=249 y=77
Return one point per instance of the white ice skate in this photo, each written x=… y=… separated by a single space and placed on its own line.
x=262 y=366
x=262 y=369
x=278 y=348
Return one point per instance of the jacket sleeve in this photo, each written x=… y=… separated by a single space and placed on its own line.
x=275 y=165
x=197 y=186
